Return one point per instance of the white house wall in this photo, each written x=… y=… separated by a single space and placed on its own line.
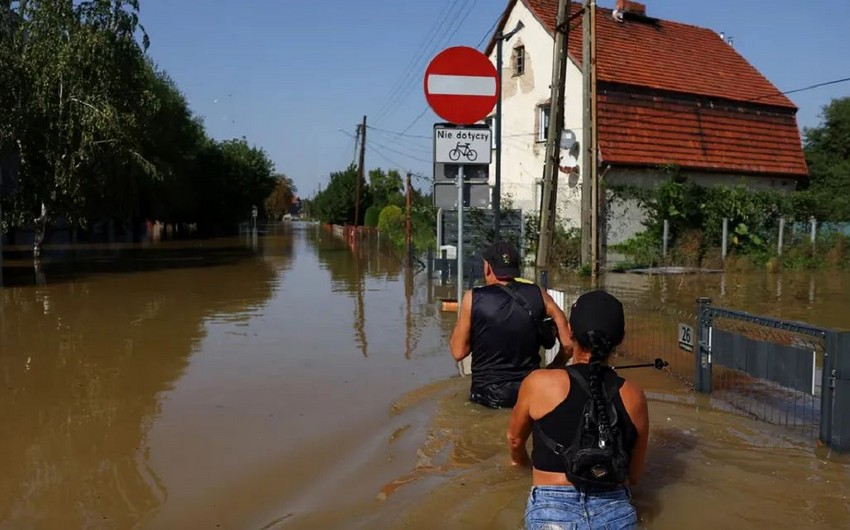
x=523 y=157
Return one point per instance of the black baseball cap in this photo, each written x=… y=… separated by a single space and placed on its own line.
x=598 y=311
x=504 y=259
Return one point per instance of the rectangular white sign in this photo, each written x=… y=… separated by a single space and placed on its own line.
x=462 y=146
x=686 y=337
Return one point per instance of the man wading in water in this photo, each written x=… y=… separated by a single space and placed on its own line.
x=501 y=325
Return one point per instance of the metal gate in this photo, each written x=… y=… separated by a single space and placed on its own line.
x=788 y=373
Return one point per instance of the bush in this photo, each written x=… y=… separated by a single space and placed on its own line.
x=391 y=222
x=372 y=215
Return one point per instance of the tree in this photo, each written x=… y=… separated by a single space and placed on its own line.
x=280 y=202
x=74 y=105
x=386 y=188
x=100 y=134
x=335 y=204
x=827 y=150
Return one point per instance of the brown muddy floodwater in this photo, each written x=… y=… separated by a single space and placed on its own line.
x=285 y=381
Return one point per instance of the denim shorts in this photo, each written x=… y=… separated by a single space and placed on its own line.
x=566 y=508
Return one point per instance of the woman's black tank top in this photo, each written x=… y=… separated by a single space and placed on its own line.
x=561 y=423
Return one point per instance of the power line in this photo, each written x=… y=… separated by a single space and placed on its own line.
x=420 y=145
x=402 y=153
x=417 y=65
x=398 y=133
x=449 y=33
x=483 y=38
x=378 y=152
x=426 y=41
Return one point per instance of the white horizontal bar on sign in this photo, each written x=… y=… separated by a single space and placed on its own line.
x=461 y=85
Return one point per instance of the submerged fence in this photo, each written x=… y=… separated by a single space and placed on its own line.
x=789 y=373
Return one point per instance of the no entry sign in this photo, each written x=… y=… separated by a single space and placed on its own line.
x=461 y=85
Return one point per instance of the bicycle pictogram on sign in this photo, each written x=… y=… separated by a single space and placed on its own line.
x=464 y=150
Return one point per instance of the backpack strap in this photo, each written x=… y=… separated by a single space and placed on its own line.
x=548 y=442
x=520 y=300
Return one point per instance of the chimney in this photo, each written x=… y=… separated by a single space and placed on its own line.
x=628 y=7
x=635 y=8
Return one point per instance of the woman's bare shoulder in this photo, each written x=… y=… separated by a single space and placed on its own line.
x=632 y=393
x=547 y=388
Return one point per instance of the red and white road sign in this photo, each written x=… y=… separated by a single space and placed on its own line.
x=461 y=85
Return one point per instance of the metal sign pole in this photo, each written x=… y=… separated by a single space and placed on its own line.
x=459 y=236
x=465 y=366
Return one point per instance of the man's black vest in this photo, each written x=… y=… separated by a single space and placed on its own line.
x=504 y=342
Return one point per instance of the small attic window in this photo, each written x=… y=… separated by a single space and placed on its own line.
x=519 y=60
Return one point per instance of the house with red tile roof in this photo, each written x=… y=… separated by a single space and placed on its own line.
x=669 y=93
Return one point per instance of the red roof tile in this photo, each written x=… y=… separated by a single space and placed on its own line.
x=651 y=129
x=665 y=55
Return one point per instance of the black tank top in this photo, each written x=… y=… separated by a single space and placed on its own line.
x=503 y=340
x=561 y=422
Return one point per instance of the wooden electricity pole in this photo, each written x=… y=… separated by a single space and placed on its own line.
x=407 y=234
x=590 y=152
x=553 y=139
x=361 y=175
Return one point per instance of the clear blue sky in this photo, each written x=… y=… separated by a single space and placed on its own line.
x=287 y=74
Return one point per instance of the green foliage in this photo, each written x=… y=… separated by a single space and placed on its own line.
x=100 y=133
x=386 y=187
x=566 y=242
x=643 y=250
x=391 y=222
x=279 y=203
x=336 y=203
x=827 y=150
x=372 y=213
x=696 y=216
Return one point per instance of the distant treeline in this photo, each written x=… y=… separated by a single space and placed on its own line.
x=92 y=131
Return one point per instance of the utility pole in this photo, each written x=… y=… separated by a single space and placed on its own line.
x=360 y=171
x=356 y=143
x=553 y=140
x=590 y=162
x=497 y=188
x=500 y=38
x=407 y=230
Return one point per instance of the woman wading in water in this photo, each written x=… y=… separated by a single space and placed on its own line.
x=590 y=426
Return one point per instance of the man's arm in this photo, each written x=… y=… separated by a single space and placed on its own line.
x=557 y=315
x=519 y=428
x=459 y=343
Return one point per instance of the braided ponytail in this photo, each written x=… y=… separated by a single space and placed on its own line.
x=600 y=349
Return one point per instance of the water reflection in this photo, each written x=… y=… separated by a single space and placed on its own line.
x=816 y=297
x=84 y=358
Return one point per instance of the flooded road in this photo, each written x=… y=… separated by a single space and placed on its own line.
x=287 y=382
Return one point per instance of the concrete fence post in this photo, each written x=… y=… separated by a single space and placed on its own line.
x=781 y=239
x=814 y=230
x=725 y=244
x=666 y=240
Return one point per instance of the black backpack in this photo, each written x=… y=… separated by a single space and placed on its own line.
x=589 y=463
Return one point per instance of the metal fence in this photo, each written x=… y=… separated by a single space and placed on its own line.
x=787 y=373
